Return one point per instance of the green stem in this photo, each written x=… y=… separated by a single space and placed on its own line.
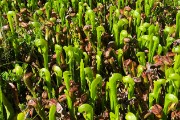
x=52 y=112
x=82 y=76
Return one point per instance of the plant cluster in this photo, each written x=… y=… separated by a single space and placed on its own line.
x=89 y=59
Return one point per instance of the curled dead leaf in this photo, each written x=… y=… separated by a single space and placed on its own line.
x=175 y=115
x=157 y=110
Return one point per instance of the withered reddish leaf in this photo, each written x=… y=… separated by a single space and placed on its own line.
x=52 y=102
x=175 y=115
x=170 y=54
x=61 y=88
x=62 y=98
x=157 y=110
x=158 y=60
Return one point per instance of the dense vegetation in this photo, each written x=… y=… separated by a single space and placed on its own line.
x=89 y=59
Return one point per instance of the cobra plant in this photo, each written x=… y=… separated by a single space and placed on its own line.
x=67 y=76
x=176 y=58
x=98 y=61
x=37 y=30
x=160 y=49
x=123 y=34
x=141 y=58
x=139 y=5
x=169 y=41
x=70 y=58
x=137 y=19
x=62 y=13
x=123 y=24
x=45 y=74
x=152 y=47
x=140 y=70
x=58 y=51
x=120 y=57
x=4 y=6
x=90 y=18
x=168 y=31
x=142 y=29
x=112 y=86
x=116 y=33
x=86 y=58
x=111 y=10
x=130 y=116
x=169 y=99
x=129 y=84
x=88 y=75
x=116 y=115
x=58 y=72
x=32 y=4
x=177 y=24
x=143 y=41
x=48 y=8
x=18 y=70
x=21 y=116
x=73 y=57
x=100 y=30
x=147 y=11
x=94 y=86
x=36 y=15
x=56 y=6
x=80 y=13
x=43 y=49
x=168 y=72
x=156 y=91
x=116 y=16
x=87 y=111
x=121 y=4
x=174 y=83
x=74 y=4
x=11 y=15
